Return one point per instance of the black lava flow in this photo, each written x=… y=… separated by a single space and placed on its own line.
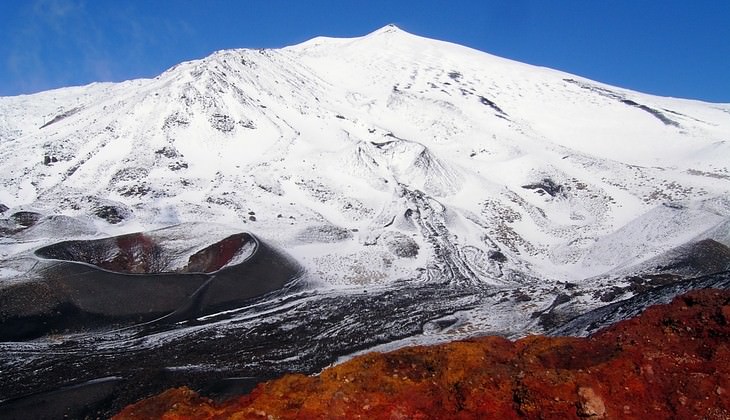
x=96 y=373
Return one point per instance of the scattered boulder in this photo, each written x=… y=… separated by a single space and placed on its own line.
x=590 y=404
x=49 y=159
x=497 y=256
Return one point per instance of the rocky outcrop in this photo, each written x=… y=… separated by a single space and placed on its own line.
x=672 y=361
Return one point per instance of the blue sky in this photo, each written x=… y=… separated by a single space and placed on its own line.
x=673 y=48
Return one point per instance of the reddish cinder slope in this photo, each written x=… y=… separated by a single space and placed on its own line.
x=673 y=361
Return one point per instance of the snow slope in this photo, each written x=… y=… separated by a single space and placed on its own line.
x=379 y=158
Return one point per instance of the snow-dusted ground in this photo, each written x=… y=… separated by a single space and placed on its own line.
x=384 y=163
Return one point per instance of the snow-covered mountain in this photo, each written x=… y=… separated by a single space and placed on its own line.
x=429 y=192
x=383 y=157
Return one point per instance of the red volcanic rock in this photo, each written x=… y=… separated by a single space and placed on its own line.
x=671 y=362
x=217 y=255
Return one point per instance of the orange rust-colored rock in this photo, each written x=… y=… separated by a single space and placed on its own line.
x=671 y=362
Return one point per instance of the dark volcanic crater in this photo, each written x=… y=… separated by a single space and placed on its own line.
x=140 y=253
x=165 y=275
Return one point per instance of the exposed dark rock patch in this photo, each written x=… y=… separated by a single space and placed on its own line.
x=247 y=124
x=643 y=283
x=704 y=257
x=112 y=214
x=656 y=289
x=497 y=256
x=324 y=233
x=546 y=186
x=401 y=245
x=26 y=218
x=168 y=152
x=62 y=116
x=637 y=284
x=492 y=105
x=613 y=95
x=49 y=159
x=135 y=190
x=176 y=119
x=455 y=75
x=553 y=316
x=130 y=174
x=384 y=144
x=8 y=227
x=176 y=166
x=656 y=113
x=223 y=123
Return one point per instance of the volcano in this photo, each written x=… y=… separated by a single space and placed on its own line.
x=412 y=191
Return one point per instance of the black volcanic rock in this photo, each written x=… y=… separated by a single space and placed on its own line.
x=705 y=256
x=546 y=185
x=112 y=214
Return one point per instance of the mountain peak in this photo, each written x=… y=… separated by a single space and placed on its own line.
x=390 y=28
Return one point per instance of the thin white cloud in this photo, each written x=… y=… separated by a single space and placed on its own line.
x=54 y=10
x=64 y=42
x=60 y=43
